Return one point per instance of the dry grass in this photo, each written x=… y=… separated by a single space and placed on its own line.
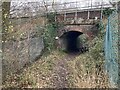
x=85 y=73
x=21 y=28
x=36 y=75
x=82 y=73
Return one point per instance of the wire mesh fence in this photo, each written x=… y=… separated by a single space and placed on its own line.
x=111 y=48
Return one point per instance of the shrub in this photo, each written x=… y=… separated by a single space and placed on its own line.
x=107 y=12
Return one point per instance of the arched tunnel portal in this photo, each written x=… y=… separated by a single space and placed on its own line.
x=70 y=41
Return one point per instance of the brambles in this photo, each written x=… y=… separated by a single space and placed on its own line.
x=50 y=32
x=107 y=12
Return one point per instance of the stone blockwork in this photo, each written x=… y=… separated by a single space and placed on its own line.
x=68 y=36
x=16 y=54
x=36 y=47
x=89 y=30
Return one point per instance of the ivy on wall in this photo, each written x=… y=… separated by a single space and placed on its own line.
x=50 y=31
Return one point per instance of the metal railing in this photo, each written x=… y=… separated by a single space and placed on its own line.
x=41 y=8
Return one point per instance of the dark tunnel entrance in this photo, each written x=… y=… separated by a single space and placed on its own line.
x=71 y=41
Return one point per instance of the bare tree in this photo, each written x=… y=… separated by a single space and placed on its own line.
x=45 y=5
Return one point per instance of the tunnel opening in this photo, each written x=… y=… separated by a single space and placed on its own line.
x=71 y=41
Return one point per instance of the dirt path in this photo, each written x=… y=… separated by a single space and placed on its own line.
x=62 y=71
x=59 y=71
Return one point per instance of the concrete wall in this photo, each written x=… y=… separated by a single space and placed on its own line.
x=16 y=54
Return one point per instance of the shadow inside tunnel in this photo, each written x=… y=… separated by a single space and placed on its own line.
x=72 y=43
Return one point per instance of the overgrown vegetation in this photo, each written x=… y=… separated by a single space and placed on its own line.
x=37 y=75
x=85 y=70
x=107 y=12
x=50 y=31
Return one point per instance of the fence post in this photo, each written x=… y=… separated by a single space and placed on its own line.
x=119 y=17
x=88 y=15
x=1 y=50
x=118 y=7
x=65 y=16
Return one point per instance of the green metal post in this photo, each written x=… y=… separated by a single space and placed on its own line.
x=118 y=7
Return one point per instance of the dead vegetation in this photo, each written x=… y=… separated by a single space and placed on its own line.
x=59 y=69
x=78 y=71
